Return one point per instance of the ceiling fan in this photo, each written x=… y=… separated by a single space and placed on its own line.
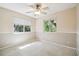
x=37 y=9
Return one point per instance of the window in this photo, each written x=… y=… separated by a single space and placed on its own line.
x=22 y=28
x=22 y=25
x=50 y=26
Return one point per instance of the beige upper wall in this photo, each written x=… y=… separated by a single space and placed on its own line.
x=66 y=21
x=78 y=18
x=6 y=20
x=78 y=29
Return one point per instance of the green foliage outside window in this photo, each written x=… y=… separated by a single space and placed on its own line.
x=49 y=26
x=22 y=28
x=27 y=29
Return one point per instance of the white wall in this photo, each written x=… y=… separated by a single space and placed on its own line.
x=7 y=35
x=66 y=30
x=11 y=39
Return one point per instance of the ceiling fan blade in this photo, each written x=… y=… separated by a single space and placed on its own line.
x=29 y=11
x=44 y=12
x=45 y=8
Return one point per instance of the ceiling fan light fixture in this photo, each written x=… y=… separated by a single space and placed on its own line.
x=37 y=12
x=38 y=9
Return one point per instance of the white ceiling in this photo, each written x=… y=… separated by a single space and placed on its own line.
x=23 y=8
